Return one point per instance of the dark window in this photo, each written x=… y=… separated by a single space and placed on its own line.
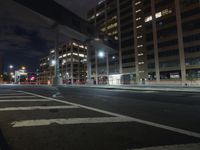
x=192 y=49
x=191 y=25
x=151 y=65
x=167 y=43
x=150 y=56
x=169 y=53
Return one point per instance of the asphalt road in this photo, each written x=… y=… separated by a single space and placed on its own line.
x=78 y=118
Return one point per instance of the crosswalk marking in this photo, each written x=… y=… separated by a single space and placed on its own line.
x=128 y=118
x=12 y=94
x=27 y=96
x=24 y=100
x=45 y=122
x=114 y=116
x=193 y=146
x=36 y=107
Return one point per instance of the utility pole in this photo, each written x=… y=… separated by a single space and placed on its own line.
x=57 y=80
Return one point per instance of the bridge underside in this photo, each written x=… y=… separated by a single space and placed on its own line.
x=68 y=23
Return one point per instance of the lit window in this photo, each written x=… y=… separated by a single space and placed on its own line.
x=139 y=46
x=137 y=3
x=140 y=54
x=52 y=51
x=139 y=18
x=147 y=19
x=138 y=10
x=75 y=44
x=158 y=15
x=141 y=63
x=139 y=37
x=140 y=26
x=81 y=55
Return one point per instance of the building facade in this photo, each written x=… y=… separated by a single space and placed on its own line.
x=158 y=39
x=72 y=64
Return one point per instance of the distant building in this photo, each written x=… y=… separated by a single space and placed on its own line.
x=72 y=64
x=159 y=40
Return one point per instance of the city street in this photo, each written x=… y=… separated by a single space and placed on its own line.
x=85 y=118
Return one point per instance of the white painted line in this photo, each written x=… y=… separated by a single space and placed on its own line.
x=193 y=146
x=36 y=107
x=24 y=100
x=28 y=96
x=46 y=122
x=12 y=94
x=149 y=123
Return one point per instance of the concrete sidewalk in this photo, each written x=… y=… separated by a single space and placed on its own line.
x=142 y=87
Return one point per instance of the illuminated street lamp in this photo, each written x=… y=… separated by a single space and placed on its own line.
x=23 y=68
x=11 y=67
x=53 y=63
x=101 y=54
x=11 y=73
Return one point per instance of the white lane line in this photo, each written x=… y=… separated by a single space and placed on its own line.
x=28 y=96
x=12 y=94
x=24 y=100
x=36 y=107
x=46 y=122
x=149 y=123
x=193 y=146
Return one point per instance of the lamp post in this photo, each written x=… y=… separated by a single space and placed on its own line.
x=101 y=54
x=11 y=73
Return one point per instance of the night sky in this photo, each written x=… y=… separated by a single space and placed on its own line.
x=25 y=37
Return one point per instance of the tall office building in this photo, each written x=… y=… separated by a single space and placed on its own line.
x=170 y=32
x=107 y=17
x=72 y=64
x=159 y=39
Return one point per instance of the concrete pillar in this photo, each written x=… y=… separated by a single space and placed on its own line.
x=155 y=42
x=180 y=41
x=96 y=66
x=89 y=68
x=119 y=36
x=135 y=45
x=72 y=65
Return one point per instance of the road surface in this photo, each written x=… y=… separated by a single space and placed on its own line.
x=78 y=118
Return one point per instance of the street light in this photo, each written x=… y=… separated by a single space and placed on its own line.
x=11 y=67
x=101 y=54
x=23 y=68
x=53 y=63
x=11 y=73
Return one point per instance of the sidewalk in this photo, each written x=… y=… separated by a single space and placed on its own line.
x=165 y=88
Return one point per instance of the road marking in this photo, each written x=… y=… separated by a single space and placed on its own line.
x=46 y=122
x=194 y=146
x=28 y=96
x=36 y=107
x=24 y=100
x=12 y=94
x=149 y=123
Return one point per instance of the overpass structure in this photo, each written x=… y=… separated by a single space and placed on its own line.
x=71 y=25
